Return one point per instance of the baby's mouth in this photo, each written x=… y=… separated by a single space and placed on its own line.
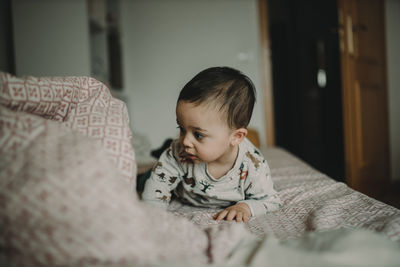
x=190 y=156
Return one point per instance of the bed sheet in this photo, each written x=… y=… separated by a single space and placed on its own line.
x=313 y=202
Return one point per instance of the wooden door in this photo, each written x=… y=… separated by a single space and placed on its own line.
x=365 y=108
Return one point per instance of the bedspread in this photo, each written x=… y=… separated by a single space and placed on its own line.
x=312 y=202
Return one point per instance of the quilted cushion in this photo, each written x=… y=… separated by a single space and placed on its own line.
x=80 y=103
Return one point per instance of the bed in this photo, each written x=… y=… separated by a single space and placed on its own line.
x=67 y=197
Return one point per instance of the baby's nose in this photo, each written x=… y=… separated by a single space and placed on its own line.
x=186 y=141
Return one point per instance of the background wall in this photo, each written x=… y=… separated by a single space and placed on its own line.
x=393 y=61
x=165 y=43
x=51 y=37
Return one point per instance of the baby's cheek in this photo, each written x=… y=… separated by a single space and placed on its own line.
x=211 y=152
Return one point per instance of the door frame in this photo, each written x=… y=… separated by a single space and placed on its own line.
x=266 y=73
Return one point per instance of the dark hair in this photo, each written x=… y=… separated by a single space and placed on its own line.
x=226 y=86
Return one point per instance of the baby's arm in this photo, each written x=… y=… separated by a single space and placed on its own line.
x=260 y=194
x=164 y=178
x=260 y=197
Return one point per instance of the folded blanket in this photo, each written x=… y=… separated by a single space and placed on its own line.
x=81 y=103
x=63 y=200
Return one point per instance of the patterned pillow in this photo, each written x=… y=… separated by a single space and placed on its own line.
x=80 y=103
x=62 y=204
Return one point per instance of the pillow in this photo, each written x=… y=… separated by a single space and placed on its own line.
x=62 y=204
x=80 y=103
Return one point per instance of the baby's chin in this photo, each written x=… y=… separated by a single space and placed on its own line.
x=196 y=161
x=193 y=159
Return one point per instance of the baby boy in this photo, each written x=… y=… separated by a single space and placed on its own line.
x=212 y=163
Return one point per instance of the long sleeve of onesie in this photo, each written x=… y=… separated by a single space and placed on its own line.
x=259 y=190
x=165 y=176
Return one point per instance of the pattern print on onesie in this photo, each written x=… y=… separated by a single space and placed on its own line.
x=156 y=166
x=255 y=161
x=206 y=186
x=243 y=171
x=172 y=180
x=162 y=177
x=190 y=181
x=162 y=197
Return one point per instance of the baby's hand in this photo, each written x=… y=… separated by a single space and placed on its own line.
x=240 y=211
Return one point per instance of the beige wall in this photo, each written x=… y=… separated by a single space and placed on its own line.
x=165 y=43
x=51 y=37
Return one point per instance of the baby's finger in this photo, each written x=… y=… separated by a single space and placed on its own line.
x=246 y=218
x=239 y=217
x=215 y=216
x=221 y=215
x=231 y=215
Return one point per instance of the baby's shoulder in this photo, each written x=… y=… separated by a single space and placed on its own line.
x=252 y=156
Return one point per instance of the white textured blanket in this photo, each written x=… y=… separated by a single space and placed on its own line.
x=333 y=248
x=312 y=202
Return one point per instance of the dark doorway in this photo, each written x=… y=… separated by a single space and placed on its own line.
x=307 y=82
x=7 y=62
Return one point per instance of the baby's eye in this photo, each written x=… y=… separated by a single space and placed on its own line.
x=181 y=129
x=198 y=135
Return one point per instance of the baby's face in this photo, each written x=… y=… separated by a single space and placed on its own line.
x=204 y=132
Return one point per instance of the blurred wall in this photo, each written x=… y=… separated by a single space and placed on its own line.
x=393 y=62
x=165 y=43
x=51 y=37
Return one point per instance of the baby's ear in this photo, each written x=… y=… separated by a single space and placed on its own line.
x=238 y=136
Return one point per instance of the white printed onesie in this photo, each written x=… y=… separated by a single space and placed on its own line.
x=249 y=181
